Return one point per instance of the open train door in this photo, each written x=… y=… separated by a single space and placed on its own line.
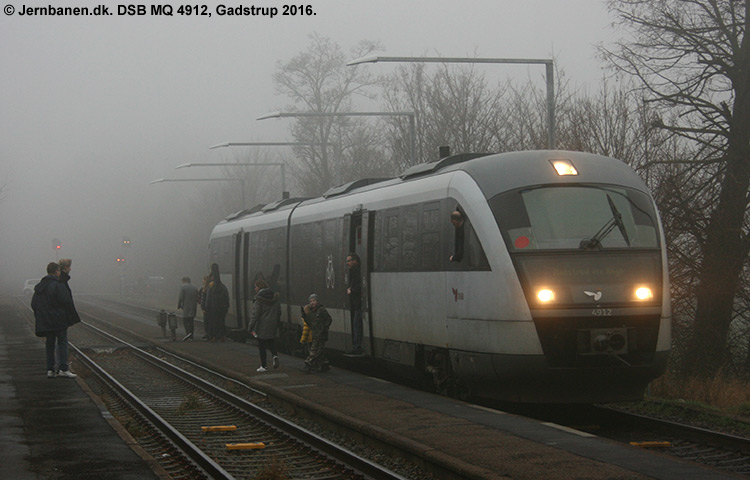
x=237 y=314
x=235 y=289
x=361 y=227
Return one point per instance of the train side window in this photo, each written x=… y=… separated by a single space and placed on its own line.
x=476 y=257
x=460 y=223
x=410 y=242
x=377 y=250
x=330 y=235
x=214 y=256
x=430 y=229
x=468 y=253
x=391 y=240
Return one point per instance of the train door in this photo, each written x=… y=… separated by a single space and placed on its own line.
x=456 y=275
x=360 y=231
x=246 y=295
x=237 y=284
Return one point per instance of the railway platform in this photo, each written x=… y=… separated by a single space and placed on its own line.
x=50 y=428
x=474 y=442
x=478 y=443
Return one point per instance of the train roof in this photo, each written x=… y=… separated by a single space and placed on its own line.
x=493 y=173
x=507 y=171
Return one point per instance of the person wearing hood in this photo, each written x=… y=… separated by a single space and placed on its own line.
x=264 y=322
x=52 y=303
x=217 y=305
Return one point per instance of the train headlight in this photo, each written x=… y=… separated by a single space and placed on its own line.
x=564 y=167
x=545 y=295
x=642 y=294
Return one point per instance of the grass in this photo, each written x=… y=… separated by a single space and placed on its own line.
x=135 y=429
x=720 y=403
x=191 y=402
x=723 y=393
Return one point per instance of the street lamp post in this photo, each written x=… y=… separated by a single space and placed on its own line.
x=549 y=73
x=226 y=179
x=284 y=193
x=411 y=115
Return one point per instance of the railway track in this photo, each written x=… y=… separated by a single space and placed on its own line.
x=720 y=450
x=724 y=451
x=727 y=452
x=195 y=429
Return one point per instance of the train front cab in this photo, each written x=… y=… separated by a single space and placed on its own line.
x=590 y=261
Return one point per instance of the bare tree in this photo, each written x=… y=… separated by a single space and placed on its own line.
x=693 y=59
x=604 y=123
x=318 y=80
x=523 y=125
x=454 y=106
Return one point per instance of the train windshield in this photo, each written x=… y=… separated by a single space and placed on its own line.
x=580 y=217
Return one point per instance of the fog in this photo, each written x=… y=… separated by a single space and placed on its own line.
x=95 y=108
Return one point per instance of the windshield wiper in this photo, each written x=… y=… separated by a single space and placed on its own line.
x=595 y=242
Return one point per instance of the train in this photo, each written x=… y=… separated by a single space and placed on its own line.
x=562 y=294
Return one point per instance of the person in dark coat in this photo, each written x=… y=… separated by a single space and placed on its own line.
x=319 y=320
x=264 y=322
x=188 y=302
x=354 y=291
x=217 y=304
x=65 y=267
x=51 y=303
x=202 y=301
x=458 y=220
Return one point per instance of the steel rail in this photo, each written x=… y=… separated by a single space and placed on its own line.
x=724 y=440
x=351 y=460
x=188 y=448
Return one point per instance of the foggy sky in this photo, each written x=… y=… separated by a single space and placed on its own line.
x=94 y=108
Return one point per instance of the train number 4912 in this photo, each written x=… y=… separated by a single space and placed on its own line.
x=601 y=312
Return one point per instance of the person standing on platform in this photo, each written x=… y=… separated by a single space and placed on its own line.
x=51 y=303
x=217 y=304
x=264 y=322
x=354 y=291
x=319 y=320
x=188 y=302
x=65 y=267
x=202 y=296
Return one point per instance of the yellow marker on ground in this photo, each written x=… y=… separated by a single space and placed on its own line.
x=245 y=446
x=220 y=428
x=652 y=444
